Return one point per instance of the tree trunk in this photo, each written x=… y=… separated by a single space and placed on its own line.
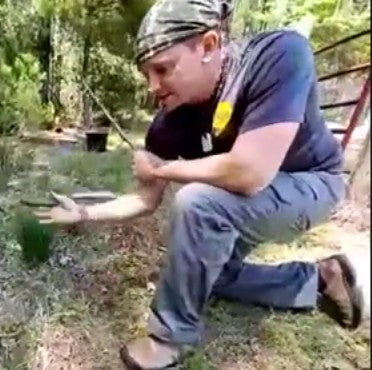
x=87 y=104
x=56 y=70
x=360 y=182
x=46 y=57
x=57 y=81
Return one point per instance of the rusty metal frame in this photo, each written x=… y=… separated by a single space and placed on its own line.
x=341 y=104
x=357 y=68
x=361 y=102
x=342 y=41
x=358 y=111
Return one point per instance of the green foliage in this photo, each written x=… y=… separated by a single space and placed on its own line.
x=34 y=238
x=42 y=58
x=333 y=20
x=109 y=29
x=47 y=47
x=20 y=76
x=20 y=103
x=117 y=82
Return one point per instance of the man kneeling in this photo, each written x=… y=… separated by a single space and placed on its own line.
x=242 y=128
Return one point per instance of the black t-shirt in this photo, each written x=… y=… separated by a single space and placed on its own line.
x=279 y=84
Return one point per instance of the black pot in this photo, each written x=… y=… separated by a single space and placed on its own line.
x=96 y=141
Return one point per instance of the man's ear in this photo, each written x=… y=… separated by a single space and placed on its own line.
x=211 y=41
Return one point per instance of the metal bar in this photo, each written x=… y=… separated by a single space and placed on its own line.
x=358 y=111
x=342 y=41
x=338 y=131
x=340 y=104
x=360 y=67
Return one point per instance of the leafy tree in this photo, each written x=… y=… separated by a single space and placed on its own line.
x=48 y=47
x=338 y=18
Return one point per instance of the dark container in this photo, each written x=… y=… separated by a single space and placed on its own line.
x=96 y=141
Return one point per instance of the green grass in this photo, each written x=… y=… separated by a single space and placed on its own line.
x=61 y=291
x=197 y=361
x=108 y=171
x=313 y=341
x=255 y=338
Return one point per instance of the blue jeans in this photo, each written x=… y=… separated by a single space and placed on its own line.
x=210 y=230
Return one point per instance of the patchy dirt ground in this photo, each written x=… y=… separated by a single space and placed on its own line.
x=237 y=337
x=74 y=312
x=63 y=348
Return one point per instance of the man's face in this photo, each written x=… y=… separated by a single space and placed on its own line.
x=178 y=75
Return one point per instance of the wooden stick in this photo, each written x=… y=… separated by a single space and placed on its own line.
x=108 y=115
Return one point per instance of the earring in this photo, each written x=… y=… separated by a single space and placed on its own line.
x=206 y=60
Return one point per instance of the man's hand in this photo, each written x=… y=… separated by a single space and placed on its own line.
x=144 y=165
x=128 y=206
x=67 y=212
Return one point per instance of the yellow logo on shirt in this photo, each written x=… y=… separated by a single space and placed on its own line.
x=222 y=117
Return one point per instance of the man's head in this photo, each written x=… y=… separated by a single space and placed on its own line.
x=179 y=49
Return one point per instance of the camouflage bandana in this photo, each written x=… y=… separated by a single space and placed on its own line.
x=171 y=21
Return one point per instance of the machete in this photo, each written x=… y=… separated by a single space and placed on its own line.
x=79 y=198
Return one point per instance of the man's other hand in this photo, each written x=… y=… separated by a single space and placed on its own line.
x=144 y=165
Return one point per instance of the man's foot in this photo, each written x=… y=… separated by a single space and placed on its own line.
x=149 y=354
x=341 y=298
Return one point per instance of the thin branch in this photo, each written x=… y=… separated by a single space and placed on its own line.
x=108 y=115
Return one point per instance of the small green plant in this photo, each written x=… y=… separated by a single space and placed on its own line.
x=34 y=238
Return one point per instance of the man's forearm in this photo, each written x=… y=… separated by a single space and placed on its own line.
x=217 y=170
x=143 y=202
x=125 y=207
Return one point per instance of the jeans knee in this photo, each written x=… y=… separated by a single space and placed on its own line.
x=192 y=197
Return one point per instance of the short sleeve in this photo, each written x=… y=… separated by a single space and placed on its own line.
x=160 y=140
x=279 y=82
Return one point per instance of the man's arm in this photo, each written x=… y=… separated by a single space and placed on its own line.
x=140 y=203
x=250 y=166
x=143 y=202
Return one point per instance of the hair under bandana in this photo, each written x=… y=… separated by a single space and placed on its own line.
x=171 y=21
